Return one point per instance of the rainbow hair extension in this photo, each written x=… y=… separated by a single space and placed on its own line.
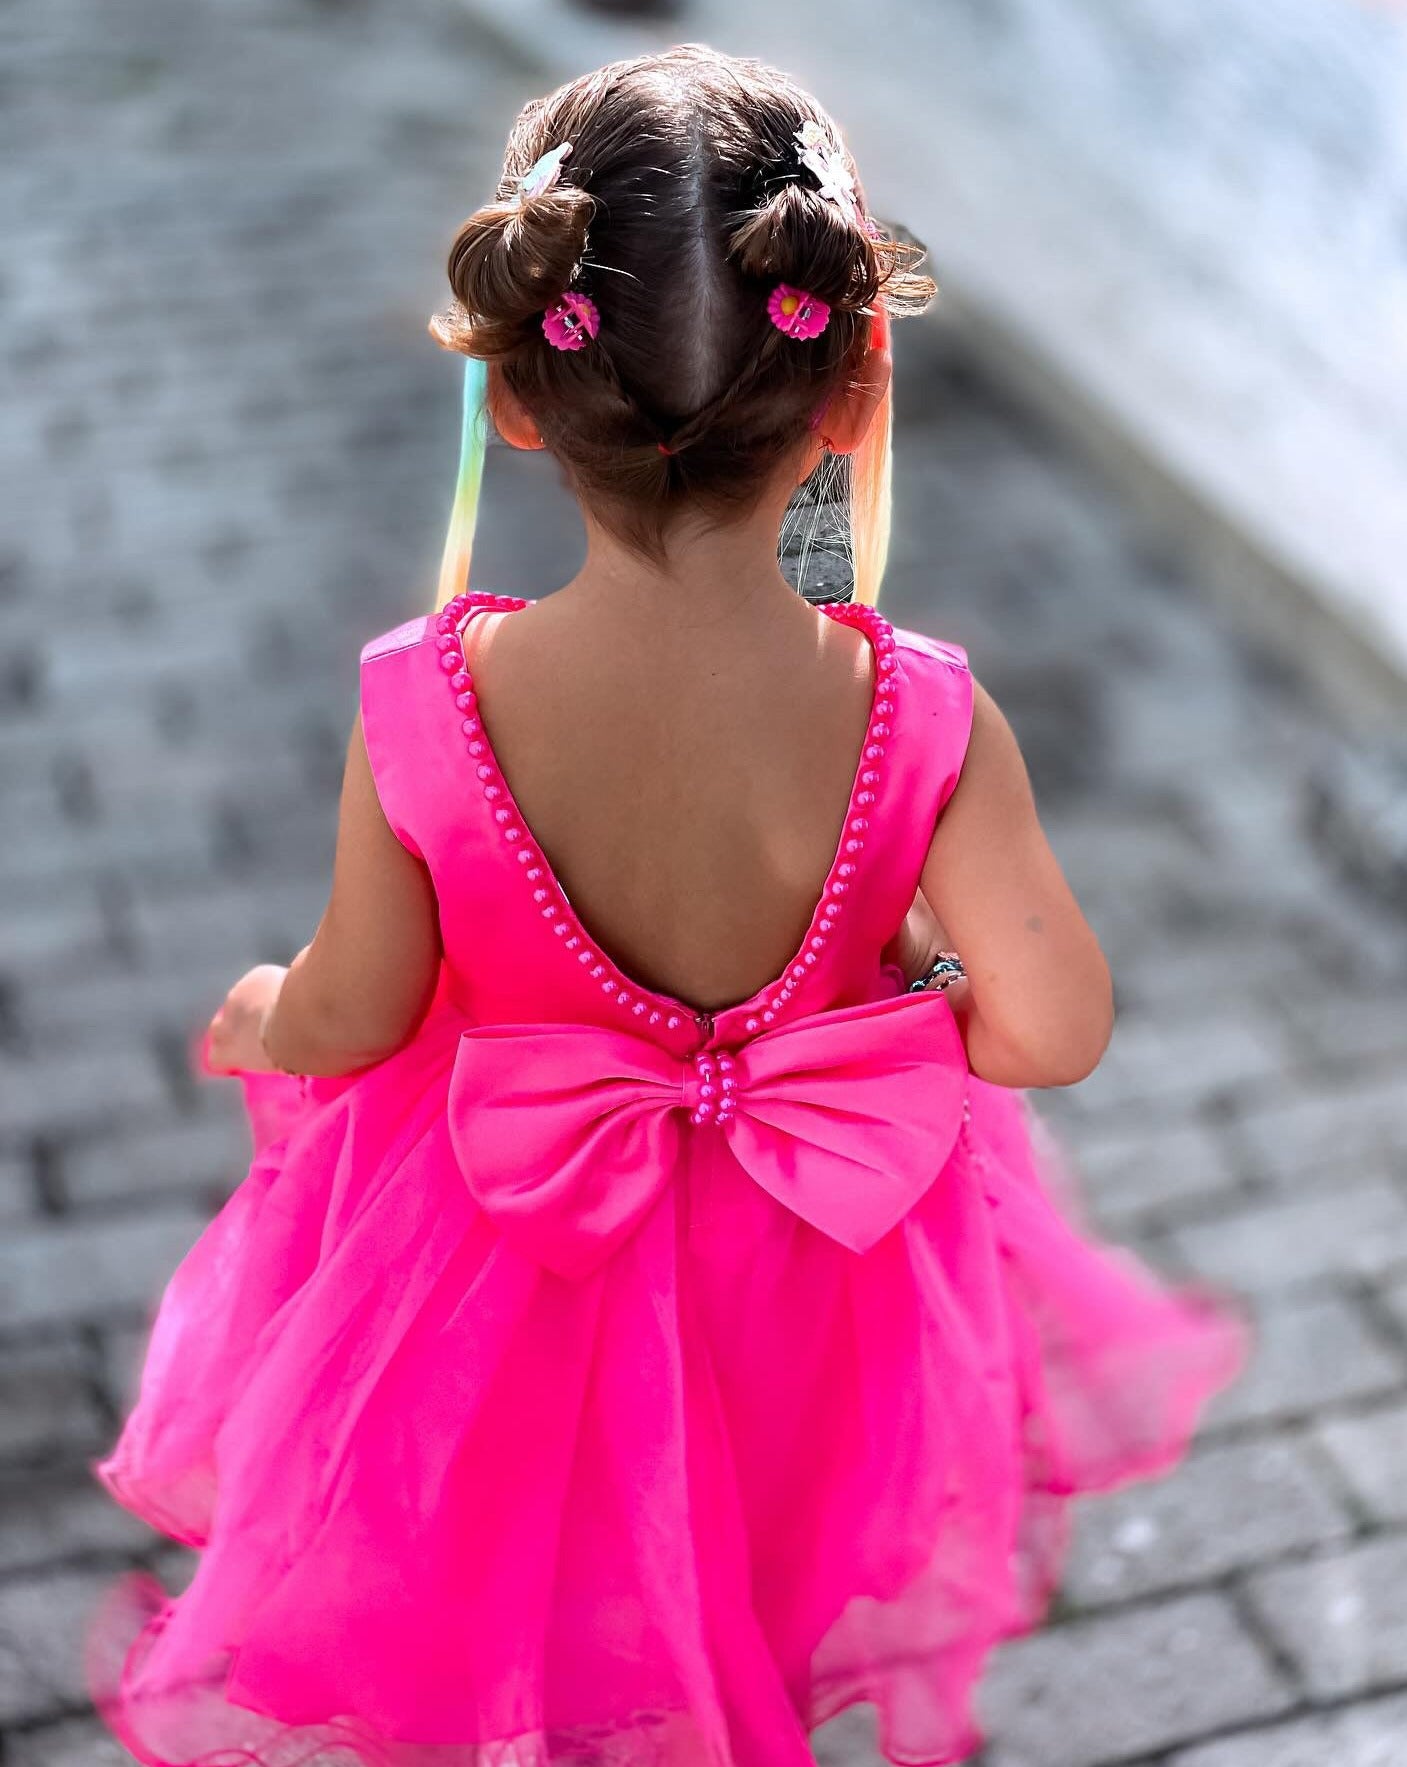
x=464 y=512
x=871 y=489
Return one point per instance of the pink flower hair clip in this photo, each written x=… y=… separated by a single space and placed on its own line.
x=797 y=314
x=570 y=321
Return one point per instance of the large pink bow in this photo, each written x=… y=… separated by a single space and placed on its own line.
x=567 y=1133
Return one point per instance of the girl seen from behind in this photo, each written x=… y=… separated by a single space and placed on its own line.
x=648 y=1325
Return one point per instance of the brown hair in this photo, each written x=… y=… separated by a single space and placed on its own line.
x=682 y=203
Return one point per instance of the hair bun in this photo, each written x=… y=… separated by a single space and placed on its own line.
x=509 y=261
x=801 y=237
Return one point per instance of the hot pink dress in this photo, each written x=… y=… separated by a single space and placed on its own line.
x=598 y=1381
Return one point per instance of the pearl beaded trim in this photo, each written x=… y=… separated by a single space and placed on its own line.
x=644 y=1004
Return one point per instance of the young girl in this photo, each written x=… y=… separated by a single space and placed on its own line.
x=647 y=1326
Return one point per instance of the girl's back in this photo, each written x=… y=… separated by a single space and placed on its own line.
x=646 y=1326
x=687 y=764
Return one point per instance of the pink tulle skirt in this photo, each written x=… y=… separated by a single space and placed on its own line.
x=456 y=1511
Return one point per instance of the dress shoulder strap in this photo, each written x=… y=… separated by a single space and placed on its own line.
x=940 y=697
x=926 y=754
x=398 y=700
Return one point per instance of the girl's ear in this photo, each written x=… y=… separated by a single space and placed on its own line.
x=852 y=408
x=509 y=418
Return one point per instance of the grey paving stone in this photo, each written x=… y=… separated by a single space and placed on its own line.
x=124 y=1348
x=1135 y=1176
x=1342 y=1617
x=1227 y=1507
x=1370 y=1735
x=19 y=1196
x=1118 y=1685
x=1394 y=1298
x=47 y=1404
x=44 y=1517
x=75 y=1270
x=51 y=1091
x=1155 y=1060
x=42 y=1624
x=1354 y=1228
x=77 y=1742
x=1370 y=1450
x=189 y=1157
x=1323 y=1135
x=1309 y=1352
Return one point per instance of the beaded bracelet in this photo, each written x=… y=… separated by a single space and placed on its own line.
x=946 y=969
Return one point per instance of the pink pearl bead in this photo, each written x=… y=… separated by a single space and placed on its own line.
x=865 y=799
x=870 y=776
x=573 y=942
x=858 y=824
x=854 y=846
x=846 y=870
x=533 y=873
x=887 y=665
x=561 y=928
x=884 y=708
x=586 y=957
x=540 y=895
x=672 y=1022
x=768 y=1017
x=460 y=681
x=623 y=997
x=882 y=732
x=484 y=770
x=451 y=660
x=655 y=1017
x=476 y=746
x=445 y=623
x=503 y=816
x=810 y=959
x=446 y=645
x=608 y=986
x=526 y=856
x=467 y=700
x=597 y=971
x=513 y=834
x=639 y=1009
x=752 y=1026
x=707 y=1091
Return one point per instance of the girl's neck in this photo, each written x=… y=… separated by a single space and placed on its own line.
x=726 y=577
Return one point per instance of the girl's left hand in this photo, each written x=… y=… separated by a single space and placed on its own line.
x=233 y=1042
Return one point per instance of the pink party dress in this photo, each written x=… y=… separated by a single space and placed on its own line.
x=599 y=1381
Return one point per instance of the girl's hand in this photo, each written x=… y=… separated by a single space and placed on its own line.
x=233 y=1041
x=915 y=947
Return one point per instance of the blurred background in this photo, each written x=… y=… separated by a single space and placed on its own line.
x=1149 y=470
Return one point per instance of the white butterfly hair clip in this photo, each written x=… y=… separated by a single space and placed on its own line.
x=543 y=173
x=826 y=162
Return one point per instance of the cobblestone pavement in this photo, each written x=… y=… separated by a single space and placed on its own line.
x=229 y=448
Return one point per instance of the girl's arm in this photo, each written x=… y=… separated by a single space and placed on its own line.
x=356 y=993
x=1037 y=1006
